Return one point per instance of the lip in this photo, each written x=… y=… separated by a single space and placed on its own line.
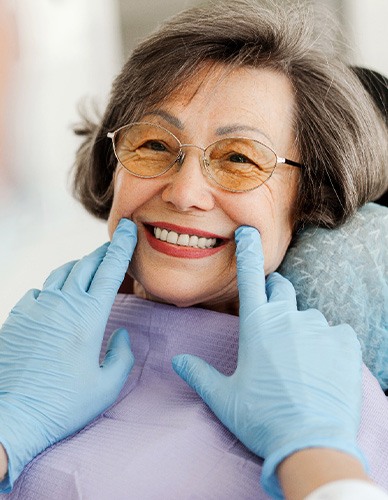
x=182 y=251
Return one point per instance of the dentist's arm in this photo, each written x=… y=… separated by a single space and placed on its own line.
x=296 y=391
x=52 y=383
x=3 y=463
x=323 y=473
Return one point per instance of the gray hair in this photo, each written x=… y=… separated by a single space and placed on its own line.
x=340 y=135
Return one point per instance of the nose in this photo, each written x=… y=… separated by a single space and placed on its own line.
x=187 y=188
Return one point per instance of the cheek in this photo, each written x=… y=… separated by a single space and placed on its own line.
x=272 y=216
x=130 y=193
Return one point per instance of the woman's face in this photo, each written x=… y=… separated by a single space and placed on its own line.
x=254 y=103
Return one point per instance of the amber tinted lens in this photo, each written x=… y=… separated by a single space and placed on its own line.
x=146 y=150
x=240 y=164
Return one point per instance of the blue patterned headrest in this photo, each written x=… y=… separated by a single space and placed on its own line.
x=343 y=272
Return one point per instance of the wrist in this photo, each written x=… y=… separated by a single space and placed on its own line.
x=3 y=463
x=269 y=476
x=21 y=440
x=306 y=470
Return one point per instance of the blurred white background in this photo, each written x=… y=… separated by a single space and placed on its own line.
x=68 y=50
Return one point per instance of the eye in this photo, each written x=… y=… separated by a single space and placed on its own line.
x=238 y=158
x=155 y=146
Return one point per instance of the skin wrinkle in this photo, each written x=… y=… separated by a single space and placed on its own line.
x=220 y=131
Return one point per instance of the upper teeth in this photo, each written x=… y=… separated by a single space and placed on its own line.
x=185 y=240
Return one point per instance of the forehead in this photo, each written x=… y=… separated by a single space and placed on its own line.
x=213 y=77
x=222 y=96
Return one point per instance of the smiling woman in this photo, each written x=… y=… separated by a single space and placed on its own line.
x=228 y=130
x=249 y=105
x=267 y=82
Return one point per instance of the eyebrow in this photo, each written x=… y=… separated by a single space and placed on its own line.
x=173 y=120
x=225 y=130
x=237 y=127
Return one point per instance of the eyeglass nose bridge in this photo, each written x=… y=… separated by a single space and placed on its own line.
x=182 y=156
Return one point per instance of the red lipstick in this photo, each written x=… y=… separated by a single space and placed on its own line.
x=185 y=252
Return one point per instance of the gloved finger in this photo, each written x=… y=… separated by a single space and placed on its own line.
x=346 y=334
x=250 y=269
x=201 y=377
x=84 y=270
x=118 y=361
x=111 y=271
x=27 y=300
x=280 y=289
x=314 y=318
x=57 y=278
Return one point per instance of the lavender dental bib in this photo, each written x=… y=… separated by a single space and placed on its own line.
x=160 y=441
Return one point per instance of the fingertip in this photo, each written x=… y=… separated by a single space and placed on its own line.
x=244 y=232
x=28 y=299
x=122 y=335
x=179 y=363
x=279 y=288
x=57 y=278
x=126 y=341
x=119 y=348
x=126 y=226
x=250 y=268
x=248 y=241
x=31 y=295
x=34 y=293
x=276 y=277
x=125 y=236
x=187 y=367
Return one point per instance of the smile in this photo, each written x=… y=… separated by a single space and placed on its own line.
x=183 y=242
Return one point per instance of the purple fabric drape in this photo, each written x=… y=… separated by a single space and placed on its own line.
x=160 y=441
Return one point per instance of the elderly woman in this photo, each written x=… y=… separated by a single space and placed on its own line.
x=228 y=131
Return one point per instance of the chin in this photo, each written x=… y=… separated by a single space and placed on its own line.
x=205 y=286
x=186 y=297
x=174 y=297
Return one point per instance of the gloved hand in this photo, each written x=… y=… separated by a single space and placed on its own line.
x=298 y=381
x=51 y=381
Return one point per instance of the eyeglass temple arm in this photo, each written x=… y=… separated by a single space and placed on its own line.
x=289 y=162
x=110 y=135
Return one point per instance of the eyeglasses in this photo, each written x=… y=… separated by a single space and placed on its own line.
x=236 y=164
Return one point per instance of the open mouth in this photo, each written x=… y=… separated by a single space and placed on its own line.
x=184 y=239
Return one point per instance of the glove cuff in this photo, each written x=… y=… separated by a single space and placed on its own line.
x=22 y=441
x=15 y=468
x=269 y=480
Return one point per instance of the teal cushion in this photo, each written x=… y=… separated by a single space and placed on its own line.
x=343 y=272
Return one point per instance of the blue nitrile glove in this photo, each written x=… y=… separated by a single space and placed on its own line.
x=51 y=381
x=298 y=381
